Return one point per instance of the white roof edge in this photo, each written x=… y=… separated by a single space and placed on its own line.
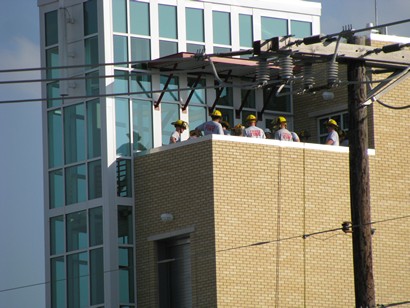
x=272 y=142
x=389 y=38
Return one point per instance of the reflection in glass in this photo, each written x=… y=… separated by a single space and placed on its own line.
x=92 y=83
x=119 y=15
x=124 y=178
x=226 y=97
x=245 y=30
x=122 y=126
x=222 y=27
x=173 y=84
x=195 y=48
x=51 y=26
x=141 y=83
x=58 y=282
x=227 y=115
x=167 y=21
x=96 y=226
x=120 y=50
x=125 y=225
x=272 y=27
x=53 y=91
x=301 y=29
x=197 y=115
x=195 y=25
x=56 y=186
x=120 y=82
x=55 y=137
x=199 y=95
x=90 y=17
x=94 y=180
x=140 y=49
x=93 y=128
x=218 y=49
x=77 y=280
x=52 y=60
x=96 y=276
x=277 y=103
x=169 y=114
x=75 y=184
x=91 y=51
x=248 y=98
x=167 y=48
x=76 y=227
x=139 y=18
x=142 y=125
x=57 y=235
x=126 y=275
x=74 y=133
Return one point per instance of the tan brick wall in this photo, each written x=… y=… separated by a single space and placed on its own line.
x=239 y=199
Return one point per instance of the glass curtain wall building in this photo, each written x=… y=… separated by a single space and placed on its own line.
x=100 y=110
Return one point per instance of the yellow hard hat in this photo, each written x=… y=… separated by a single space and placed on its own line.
x=181 y=123
x=280 y=120
x=216 y=114
x=251 y=118
x=331 y=122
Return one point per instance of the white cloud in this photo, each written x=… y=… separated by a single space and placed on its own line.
x=20 y=53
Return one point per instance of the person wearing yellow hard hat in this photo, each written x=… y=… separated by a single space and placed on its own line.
x=214 y=126
x=252 y=130
x=180 y=127
x=332 y=134
x=282 y=132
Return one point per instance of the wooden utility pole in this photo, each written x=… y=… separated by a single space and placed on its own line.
x=360 y=187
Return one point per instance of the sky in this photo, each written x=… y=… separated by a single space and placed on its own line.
x=21 y=179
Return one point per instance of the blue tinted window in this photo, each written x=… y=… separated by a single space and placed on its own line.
x=167 y=48
x=74 y=133
x=91 y=51
x=122 y=126
x=168 y=21
x=53 y=91
x=169 y=114
x=140 y=49
x=58 y=282
x=139 y=18
x=57 y=235
x=125 y=233
x=195 y=48
x=55 y=137
x=126 y=275
x=52 y=60
x=199 y=94
x=300 y=29
x=77 y=280
x=51 y=25
x=75 y=184
x=245 y=30
x=142 y=125
x=141 y=83
x=222 y=28
x=90 y=17
x=94 y=128
x=97 y=276
x=197 y=115
x=96 y=226
x=76 y=230
x=172 y=85
x=120 y=82
x=92 y=83
x=56 y=186
x=272 y=27
x=94 y=180
x=195 y=25
x=120 y=50
x=119 y=15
